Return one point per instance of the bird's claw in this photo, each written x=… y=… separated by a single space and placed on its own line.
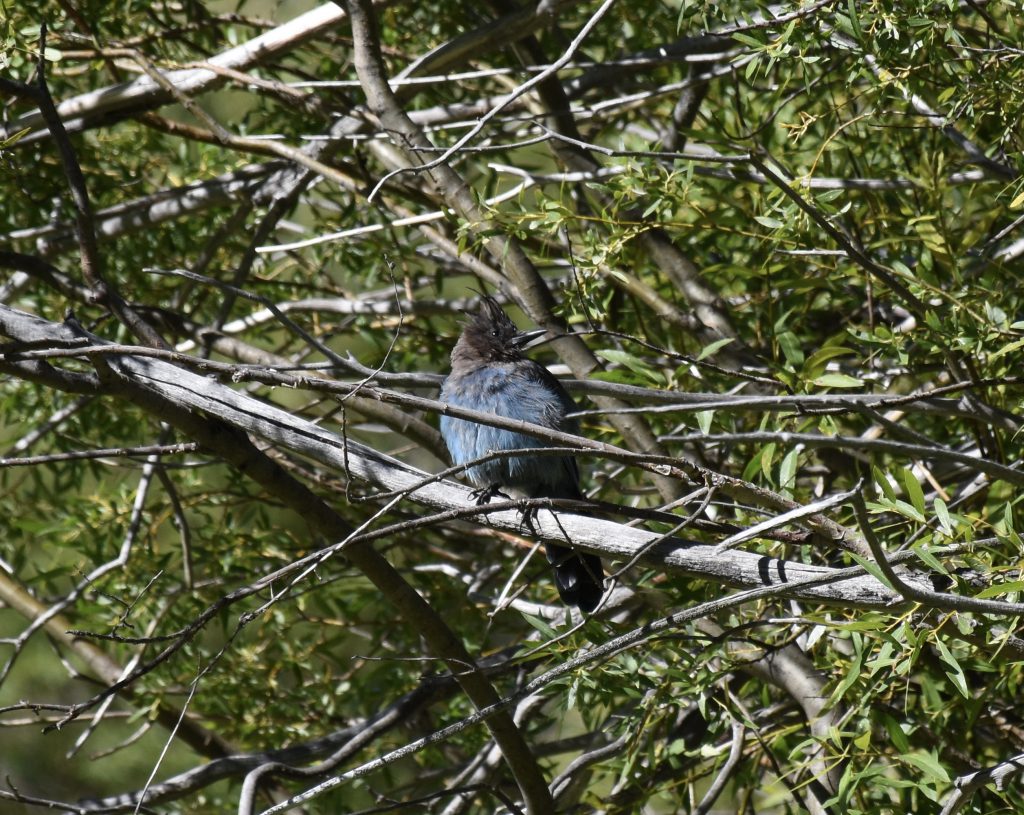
x=528 y=516
x=485 y=494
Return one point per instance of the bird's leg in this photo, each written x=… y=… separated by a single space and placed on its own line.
x=527 y=517
x=485 y=494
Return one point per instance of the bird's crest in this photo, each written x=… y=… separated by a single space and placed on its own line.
x=489 y=334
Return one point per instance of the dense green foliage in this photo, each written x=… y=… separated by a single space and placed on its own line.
x=813 y=201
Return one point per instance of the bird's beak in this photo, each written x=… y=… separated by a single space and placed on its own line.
x=525 y=340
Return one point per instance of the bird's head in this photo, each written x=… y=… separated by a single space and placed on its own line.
x=490 y=335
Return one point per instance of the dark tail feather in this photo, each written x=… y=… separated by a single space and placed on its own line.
x=578 y=576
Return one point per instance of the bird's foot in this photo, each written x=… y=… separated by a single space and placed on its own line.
x=485 y=494
x=527 y=518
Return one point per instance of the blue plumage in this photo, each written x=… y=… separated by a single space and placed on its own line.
x=490 y=374
x=509 y=389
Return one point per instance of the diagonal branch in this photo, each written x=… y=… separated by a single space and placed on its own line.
x=185 y=391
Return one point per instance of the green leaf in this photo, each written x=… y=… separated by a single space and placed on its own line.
x=942 y=513
x=14 y=137
x=896 y=735
x=677 y=747
x=882 y=480
x=754 y=465
x=787 y=469
x=853 y=673
x=767 y=457
x=815 y=364
x=572 y=693
x=541 y=625
x=1001 y=588
x=714 y=347
x=929 y=764
x=929 y=559
x=1009 y=348
x=791 y=349
x=872 y=569
x=883 y=660
x=851 y=10
x=631 y=361
x=914 y=492
x=748 y=40
x=837 y=380
x=909 y=511
x=956 y=673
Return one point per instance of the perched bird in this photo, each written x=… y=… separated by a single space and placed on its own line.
x=491 y=374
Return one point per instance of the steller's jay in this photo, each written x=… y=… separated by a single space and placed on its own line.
x=490 y=374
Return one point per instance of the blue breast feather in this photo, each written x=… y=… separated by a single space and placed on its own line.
x=515 y=391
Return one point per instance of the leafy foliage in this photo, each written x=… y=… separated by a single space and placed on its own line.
x=814 y=209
